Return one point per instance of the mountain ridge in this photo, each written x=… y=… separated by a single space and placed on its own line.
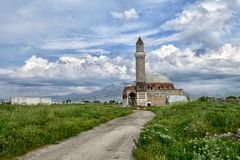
x=110 y=92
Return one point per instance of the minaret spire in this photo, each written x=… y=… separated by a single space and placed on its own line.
x=139 y=45
x=140 y=65
x=139 y=41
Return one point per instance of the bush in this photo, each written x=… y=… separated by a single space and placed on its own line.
x=191 y=131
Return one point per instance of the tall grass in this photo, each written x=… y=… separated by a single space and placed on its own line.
x=23 y=128
x=191 y=131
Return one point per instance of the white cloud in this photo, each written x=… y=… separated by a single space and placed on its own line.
x=104 y=35
x=83 y=89
x=35 y=66
x=6 y=71
x=215 y=70
x=168 y=58
x=67 y=67
x=162 y=40
x=205 y=22
x=68 y=74
x=215 y=73
x=94 y=51
x=126 y=15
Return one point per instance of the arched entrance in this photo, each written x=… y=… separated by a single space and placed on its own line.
x=132 y=99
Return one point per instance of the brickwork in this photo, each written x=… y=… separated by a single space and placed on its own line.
x=159 y=86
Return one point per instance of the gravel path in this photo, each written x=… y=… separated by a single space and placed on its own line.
x=109 y=141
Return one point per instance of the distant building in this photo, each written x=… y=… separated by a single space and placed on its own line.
x=150 y=89
x=4 y=101
x=31 y=101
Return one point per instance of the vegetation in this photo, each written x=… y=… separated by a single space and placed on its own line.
x=198 y=130
x=23 y=128
x=230 y=99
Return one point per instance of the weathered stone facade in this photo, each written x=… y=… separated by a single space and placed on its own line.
x=150 y=90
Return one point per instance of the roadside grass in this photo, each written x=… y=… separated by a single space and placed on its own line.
x=192 y=130
x=24 y=128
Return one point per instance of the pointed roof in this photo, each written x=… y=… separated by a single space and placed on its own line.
x=139 y=41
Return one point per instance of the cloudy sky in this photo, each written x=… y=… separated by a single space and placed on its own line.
x=50 y=47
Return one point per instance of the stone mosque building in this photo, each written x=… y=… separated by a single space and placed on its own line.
x=150 y=90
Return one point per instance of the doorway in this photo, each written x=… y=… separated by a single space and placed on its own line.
x=132 y=99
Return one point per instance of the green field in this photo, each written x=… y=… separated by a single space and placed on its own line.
x=23 y=128
x=191 y=131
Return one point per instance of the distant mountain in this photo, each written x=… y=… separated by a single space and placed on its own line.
x=72 y=96
x=107 y=93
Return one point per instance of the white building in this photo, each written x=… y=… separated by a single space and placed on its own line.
x=31 y=101
x=176 y=98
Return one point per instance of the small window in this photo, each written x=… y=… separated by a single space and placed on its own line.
x=151 y=88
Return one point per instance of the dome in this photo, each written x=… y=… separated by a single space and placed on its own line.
x=157 y=78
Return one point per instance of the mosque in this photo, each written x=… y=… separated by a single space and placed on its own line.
x=149 y=89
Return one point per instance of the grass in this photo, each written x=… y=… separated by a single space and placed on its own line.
x=191 y=131
x=23 y=128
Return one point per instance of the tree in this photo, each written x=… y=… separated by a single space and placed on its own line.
x=112 y=102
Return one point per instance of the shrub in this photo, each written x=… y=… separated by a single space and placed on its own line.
x=191 y=131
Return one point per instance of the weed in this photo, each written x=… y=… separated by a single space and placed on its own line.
x=23 y=128
x=191 y=131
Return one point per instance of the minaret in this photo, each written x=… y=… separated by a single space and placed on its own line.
x=140 y=66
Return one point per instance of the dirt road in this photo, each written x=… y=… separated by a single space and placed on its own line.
x=110 y=141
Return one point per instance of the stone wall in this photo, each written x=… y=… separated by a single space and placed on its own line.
x=156 y=99
x=141 y=98
x=159 y=98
